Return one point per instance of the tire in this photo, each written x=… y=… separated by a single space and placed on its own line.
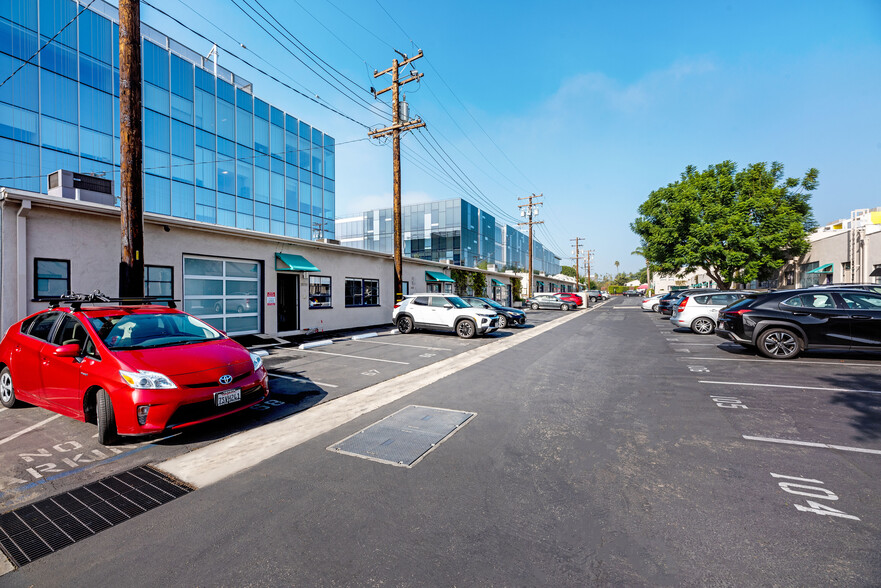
x=106 y=419
x=466 y=329
x=778 y=343
x=503 y=321
x=703 y=326
x=655 y=308
x=7 y=390
x=534 y=306
x=593 y=299
x=564 y=307
x=405 y=325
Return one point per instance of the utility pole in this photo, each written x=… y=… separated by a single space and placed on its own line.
x=577 y=253
x=530 y=210
x=587 y=255
x=400 y=122
x=131 y=201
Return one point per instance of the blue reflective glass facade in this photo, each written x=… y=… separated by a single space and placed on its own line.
x=453 y=230
x=212 y=151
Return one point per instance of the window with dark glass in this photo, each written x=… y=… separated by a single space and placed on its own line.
x=51 y=277
x=41 y=327
x=158 y=280
x=319 y=292
x=360 y=292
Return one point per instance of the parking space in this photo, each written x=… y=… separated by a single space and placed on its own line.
x=808 y=428
x=42 y=452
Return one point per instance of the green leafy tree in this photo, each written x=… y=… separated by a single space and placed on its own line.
x=567 y=270
x=737 y=226
x=478 y=283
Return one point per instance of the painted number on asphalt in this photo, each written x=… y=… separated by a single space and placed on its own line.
x=727 y=402
x=699 y=369
x=804 y=487
x=426 y=355
x=268 y=404
x=370 y=373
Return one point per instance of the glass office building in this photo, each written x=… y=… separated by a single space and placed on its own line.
x=213 y=152
x=449 y=230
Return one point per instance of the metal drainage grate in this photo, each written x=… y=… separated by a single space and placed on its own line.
x=41 y=528
x=404 y=437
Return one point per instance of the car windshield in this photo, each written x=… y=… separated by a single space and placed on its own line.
x=145 y=331
x=457 y=302
x=492 y=303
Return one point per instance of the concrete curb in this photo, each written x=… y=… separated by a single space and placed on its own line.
x=312 y=344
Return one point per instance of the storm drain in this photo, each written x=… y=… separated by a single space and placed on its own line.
x=404 y=437
x=41 y=528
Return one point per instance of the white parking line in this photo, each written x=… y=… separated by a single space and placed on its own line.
x=305 y=380
x=403 y=345
x=798 y=363
x=812 y=444
x=354 y=356
x=787 y=386
x=29 y=429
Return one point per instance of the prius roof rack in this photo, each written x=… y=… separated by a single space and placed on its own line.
x=76 y=300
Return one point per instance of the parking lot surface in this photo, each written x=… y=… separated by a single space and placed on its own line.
x=42 y=453
x=611 y=449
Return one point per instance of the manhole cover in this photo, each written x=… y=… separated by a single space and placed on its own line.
x=404 y=437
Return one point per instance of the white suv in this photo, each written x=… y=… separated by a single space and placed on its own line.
x=443 y=312
x=700 y=311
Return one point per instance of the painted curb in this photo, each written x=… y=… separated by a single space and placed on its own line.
x=364 y=336
x=312 y=344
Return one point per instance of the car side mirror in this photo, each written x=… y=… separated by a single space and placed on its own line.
x=70 y=350
x=448 y=305
x=487 y=306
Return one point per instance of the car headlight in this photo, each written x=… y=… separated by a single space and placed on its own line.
x=257 y=360
x=143 y=380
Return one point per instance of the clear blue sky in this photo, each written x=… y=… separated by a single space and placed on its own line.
x=593 y=104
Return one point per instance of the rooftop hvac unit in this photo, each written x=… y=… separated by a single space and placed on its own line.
x=68 y=184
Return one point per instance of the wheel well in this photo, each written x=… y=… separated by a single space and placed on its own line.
x=90 y=402
x=799 y=334
x=465 y=318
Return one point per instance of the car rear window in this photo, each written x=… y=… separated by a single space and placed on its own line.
x=42 y=325
x=742 y=303
x=144 y=331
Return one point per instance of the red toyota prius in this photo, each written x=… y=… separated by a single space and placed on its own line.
x=133 y=370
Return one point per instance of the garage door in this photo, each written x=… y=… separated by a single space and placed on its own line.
x=224 y=293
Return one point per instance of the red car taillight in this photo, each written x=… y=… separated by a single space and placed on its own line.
x=682 y=304
x=397 y=305
x=742 y=311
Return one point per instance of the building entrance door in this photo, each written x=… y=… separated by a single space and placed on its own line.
x=288 y=295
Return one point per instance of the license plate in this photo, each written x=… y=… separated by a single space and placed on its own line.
x=227 y=397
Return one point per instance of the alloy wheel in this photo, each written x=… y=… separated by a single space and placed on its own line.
x=702 y=326
x=779 y=344
x=7 y=392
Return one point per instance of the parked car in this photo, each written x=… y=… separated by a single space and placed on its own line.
x=876 y=288
x=665 y=304
x=570 y=298
x=594 y=295
x=508 y=317
x=651 y=303
x=606 y=295
x=443 y=312
x=132 y=370
x=783 y=323
x=548 y=301
x=699 y=312
x=630 y=293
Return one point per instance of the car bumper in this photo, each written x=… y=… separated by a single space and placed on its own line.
x=179 y=408
x=731 y=336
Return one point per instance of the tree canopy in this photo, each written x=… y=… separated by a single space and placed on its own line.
x=737 y=226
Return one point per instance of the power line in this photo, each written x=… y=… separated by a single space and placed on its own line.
x=37 y=52
x=337 y=85
x=255 y=68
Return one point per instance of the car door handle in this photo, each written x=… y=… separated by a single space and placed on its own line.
x=860 y=316
x=800 y=313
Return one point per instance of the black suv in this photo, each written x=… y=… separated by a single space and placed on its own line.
x=508 y=317
x=784 y=323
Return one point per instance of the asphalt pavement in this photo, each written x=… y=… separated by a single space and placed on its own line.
x=608 y=449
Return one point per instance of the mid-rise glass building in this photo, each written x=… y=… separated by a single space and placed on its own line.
x=213 y=152
x=449 y=230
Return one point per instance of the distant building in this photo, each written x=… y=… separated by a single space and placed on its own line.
x=452 y=231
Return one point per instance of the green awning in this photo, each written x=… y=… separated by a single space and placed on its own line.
x=438 y=277
x=539 y=282
x=288 y=262
x=823 y=269
x=497 y=283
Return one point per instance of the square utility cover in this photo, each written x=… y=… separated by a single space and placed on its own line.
x=404 y=437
